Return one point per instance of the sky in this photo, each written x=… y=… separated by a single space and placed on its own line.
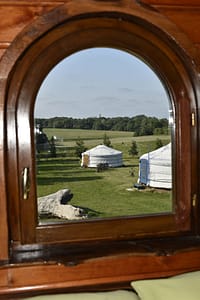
x=101 y=82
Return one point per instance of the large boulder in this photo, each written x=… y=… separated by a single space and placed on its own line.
x=56 y=205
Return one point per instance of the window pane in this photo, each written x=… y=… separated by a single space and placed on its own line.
x=103 y=123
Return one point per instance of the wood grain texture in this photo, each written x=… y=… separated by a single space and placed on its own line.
x=31 y=269
x=31 y=2
x=3 y=197
x=96 y=272
x=107 y=31
x=172 y=3
x=13 y=18
x=3 y=277
x=187 y=19
x=21 y=13
x=184 y=13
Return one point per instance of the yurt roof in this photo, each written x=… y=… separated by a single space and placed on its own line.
x=162 y=153
x=102 y=150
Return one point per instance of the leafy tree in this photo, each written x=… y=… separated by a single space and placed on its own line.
x=106 y=141
x=80 y=147
x=130 y=125
x=133 y=150
x=140 y=124
x=98 y=124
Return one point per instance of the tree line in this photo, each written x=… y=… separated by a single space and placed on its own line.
x=139 y=125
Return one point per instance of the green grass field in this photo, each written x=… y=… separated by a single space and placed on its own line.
x=102 y=194
x=68 y=137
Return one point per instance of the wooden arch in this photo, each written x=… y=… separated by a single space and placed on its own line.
x=69 y=28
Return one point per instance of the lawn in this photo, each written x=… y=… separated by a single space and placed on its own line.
x=68 y=137
x=102 y=194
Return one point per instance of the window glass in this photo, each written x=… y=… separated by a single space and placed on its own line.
x=103 y=127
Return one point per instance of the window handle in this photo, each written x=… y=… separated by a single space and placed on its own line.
x=25 y=183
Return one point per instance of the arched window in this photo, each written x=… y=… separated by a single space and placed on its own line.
x=140 y=34
x=103 y=132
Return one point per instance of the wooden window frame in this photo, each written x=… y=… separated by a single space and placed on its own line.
x=35 y=52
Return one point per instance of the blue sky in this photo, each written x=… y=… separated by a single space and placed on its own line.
x=101 y=81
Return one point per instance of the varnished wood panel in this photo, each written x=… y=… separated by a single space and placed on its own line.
x=3 y=198
x=3 y=220
x=22 y=12
x=111 y=269
x=3 y=277
x=98 y=271
x=185 y=14
x=172 y=2
x=3 y=47
x=187 y=19
x=31 y=2
x=13 y=18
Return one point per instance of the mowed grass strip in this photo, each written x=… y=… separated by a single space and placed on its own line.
x=91 y=138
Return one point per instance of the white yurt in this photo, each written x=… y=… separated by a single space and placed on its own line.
x=101 y=154
x=155 y=168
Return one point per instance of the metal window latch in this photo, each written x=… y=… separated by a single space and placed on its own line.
x=193 y=119
x=194 y=200
x=25 y=183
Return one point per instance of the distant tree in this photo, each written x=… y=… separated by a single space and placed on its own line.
x=106 y=141
x=80 y=147
x=140 y=124
x=159 y=143
x=52 y=146
x=98 y=124
x=133 y=150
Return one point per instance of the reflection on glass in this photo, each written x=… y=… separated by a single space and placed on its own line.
x=103 y=139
